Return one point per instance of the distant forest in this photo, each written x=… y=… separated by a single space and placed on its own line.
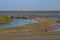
x=29 y=13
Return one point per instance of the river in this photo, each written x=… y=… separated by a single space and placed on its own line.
x=17 y=22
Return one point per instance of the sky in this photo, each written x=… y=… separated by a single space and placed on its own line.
x=29 y=5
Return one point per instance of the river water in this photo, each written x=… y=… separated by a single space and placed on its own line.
x=17 y=22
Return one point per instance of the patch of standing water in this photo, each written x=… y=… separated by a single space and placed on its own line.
x=57 y=25
x=17 y=22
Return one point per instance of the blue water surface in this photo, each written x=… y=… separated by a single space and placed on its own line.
x=17 y=22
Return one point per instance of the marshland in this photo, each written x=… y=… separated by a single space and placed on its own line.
x=30 y=26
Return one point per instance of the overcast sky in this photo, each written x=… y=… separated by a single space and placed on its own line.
x=29 y=5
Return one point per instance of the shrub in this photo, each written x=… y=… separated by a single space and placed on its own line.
x=5 y=19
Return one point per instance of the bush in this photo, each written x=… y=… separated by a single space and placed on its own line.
x=11 y=17
x=58 y=21
x=5 y=19
x=23 y=17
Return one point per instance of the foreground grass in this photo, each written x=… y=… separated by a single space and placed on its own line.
x=36 y=34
